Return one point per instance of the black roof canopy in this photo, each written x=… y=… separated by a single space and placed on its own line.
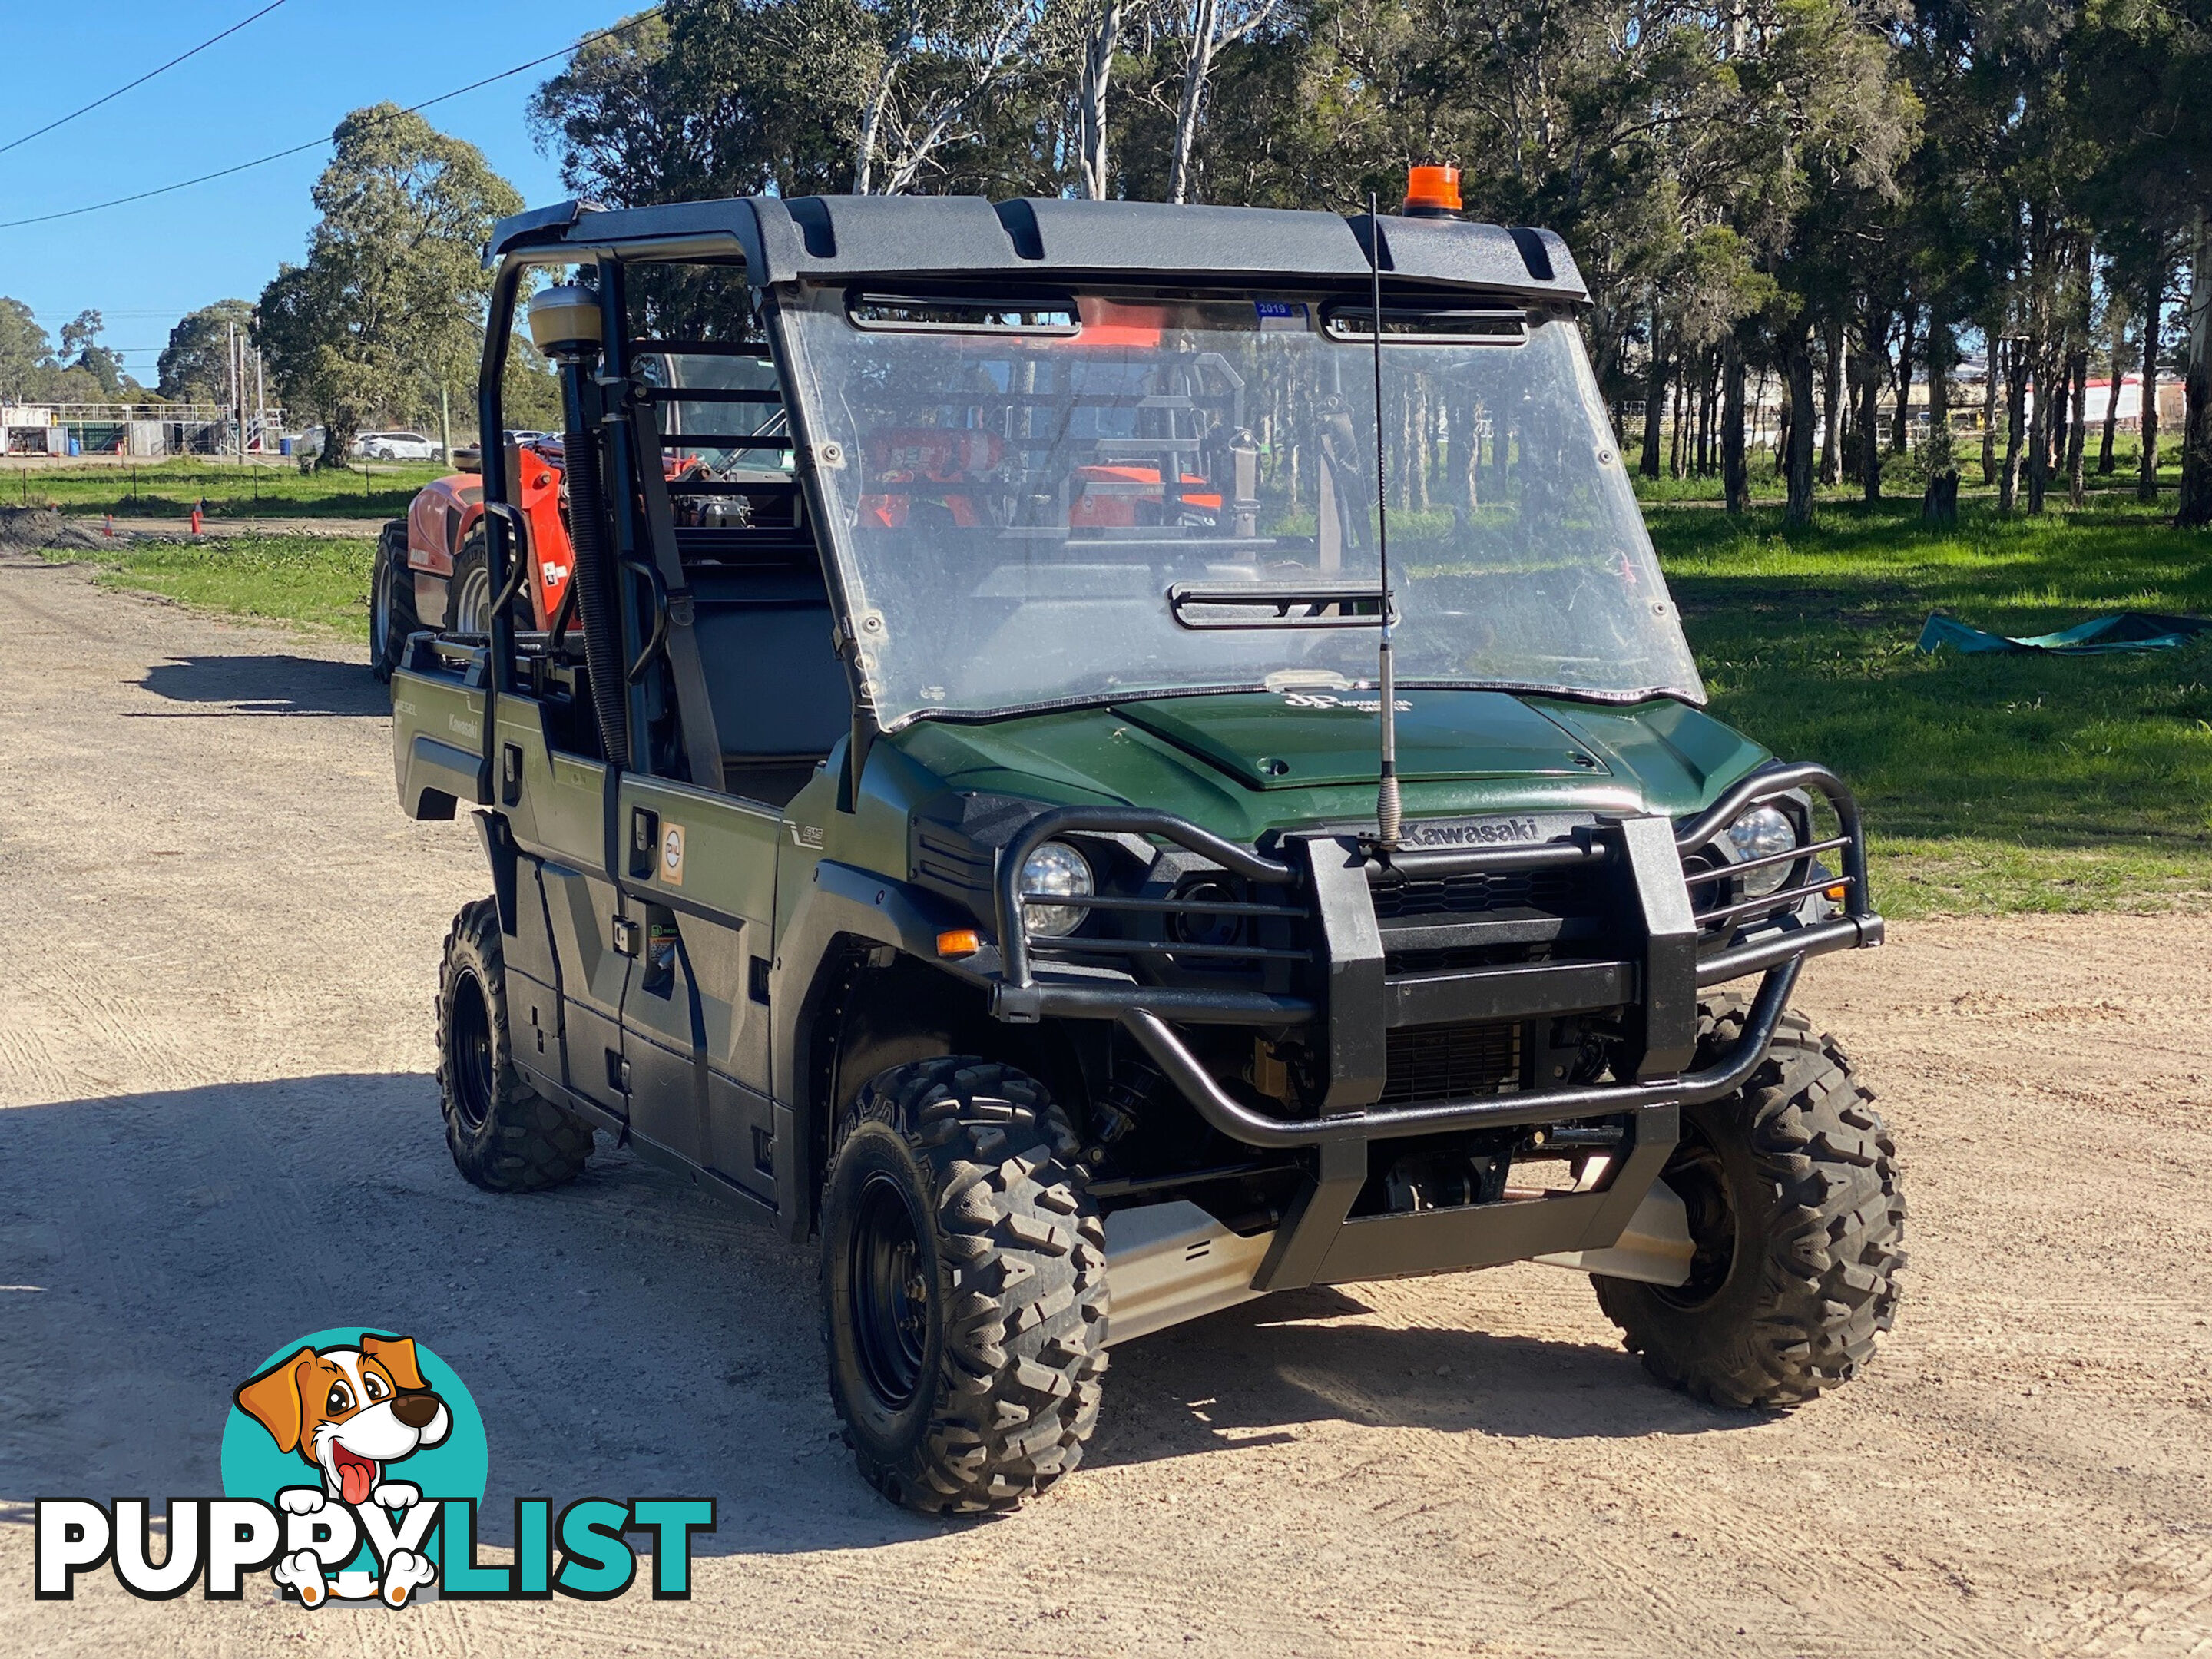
x=845 y=238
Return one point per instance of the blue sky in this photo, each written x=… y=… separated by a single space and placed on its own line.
x=280 y=81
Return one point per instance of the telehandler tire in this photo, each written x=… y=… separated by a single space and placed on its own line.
x=391 y=614
x=504 y=1136
x=1792 y=1190
x=964 y=1284
x=468 y=591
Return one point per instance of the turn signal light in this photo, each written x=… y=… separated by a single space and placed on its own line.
x=1835 y=894
x=959 y=942
x=1432 y=191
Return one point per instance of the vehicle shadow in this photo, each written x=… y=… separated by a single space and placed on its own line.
x=622 y=1336
x=1254 y=1374
x=273 y=684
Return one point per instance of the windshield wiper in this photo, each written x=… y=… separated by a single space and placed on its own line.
x=1276 y=604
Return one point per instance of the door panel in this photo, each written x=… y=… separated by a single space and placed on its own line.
x=715 y=857
x=533 y=998
x=581 y=910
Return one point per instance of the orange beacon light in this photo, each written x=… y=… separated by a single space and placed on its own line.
x=1432 y=192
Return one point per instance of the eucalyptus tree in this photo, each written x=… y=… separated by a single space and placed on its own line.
x=392 y=300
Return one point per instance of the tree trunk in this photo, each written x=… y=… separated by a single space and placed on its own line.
x=872 y=121
x=2016 y=355
x=2078 y=372
x=1675 y=440
x=1900 y=435
x=1735 y=476
x=2146 y=485
x=1831 y=404
x=1091 y=97
x=2197 y=428
x=1798 y=361
x=1654 y=403
x=2048 y=400
x=1941 y=351
x=1992 y=348
x=2112 y=392
x=1709 y=398
x=1869 y=415
x=1198 y=68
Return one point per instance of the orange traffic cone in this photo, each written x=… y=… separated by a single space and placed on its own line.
x=111 y=524
x=196 y=519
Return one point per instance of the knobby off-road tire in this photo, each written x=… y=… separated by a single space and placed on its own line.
x=964 y=1284
x=391 y=614
x=504 y=1136
x=1792 y=1191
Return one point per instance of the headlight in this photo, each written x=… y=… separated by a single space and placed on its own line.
x=1057 y=869
x=1761 y=831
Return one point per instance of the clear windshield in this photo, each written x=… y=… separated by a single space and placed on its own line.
x=1103 y=497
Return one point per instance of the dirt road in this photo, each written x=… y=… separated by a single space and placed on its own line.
x=220 y=1134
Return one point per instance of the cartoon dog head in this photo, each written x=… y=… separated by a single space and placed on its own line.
x=349 y=1412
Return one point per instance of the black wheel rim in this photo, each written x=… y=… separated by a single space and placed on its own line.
x=1700 y=1181
x=468 y=1052
x=890 y=1295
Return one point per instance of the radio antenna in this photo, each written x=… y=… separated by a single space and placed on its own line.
x=1387 y=815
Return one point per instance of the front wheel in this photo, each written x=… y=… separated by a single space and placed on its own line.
x=964 y=1284
x=1795 y=1210
x=504 y=1136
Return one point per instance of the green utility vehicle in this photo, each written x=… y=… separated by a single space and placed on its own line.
x=942 y=814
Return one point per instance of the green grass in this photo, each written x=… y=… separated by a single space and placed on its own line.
x=1991 y=783
x=309 y=581
x=1903 y=478
x=170 y=489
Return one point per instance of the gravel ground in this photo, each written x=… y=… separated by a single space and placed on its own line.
x=215 y=1048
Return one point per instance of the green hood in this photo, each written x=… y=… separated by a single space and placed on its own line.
x=1301 y=738
x=1244 y=763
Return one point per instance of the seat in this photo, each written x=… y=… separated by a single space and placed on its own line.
x=781 y=697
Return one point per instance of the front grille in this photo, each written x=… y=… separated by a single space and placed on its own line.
x=1451 y=1062
x=1561 y=892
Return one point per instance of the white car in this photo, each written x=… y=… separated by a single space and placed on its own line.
x=397 y=446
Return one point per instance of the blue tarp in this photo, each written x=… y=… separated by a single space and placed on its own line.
x=2130 y=630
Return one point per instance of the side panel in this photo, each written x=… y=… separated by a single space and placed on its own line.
x=581 y=910
x=533 y=980
x=701 y=871
x=437 y=740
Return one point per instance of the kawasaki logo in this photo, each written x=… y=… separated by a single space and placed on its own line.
x=1531 y=830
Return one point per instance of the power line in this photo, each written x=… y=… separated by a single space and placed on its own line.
x=142 y=80
x=317 y=144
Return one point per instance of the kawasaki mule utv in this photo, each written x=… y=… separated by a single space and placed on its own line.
x=942 y=815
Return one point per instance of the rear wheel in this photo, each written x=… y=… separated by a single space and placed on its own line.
x=504 y=1136
x=964 y=1282
x=1794 y=1206
x=468 y=593
x=391 y=615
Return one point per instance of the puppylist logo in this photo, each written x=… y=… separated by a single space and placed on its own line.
x=353 y=1464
